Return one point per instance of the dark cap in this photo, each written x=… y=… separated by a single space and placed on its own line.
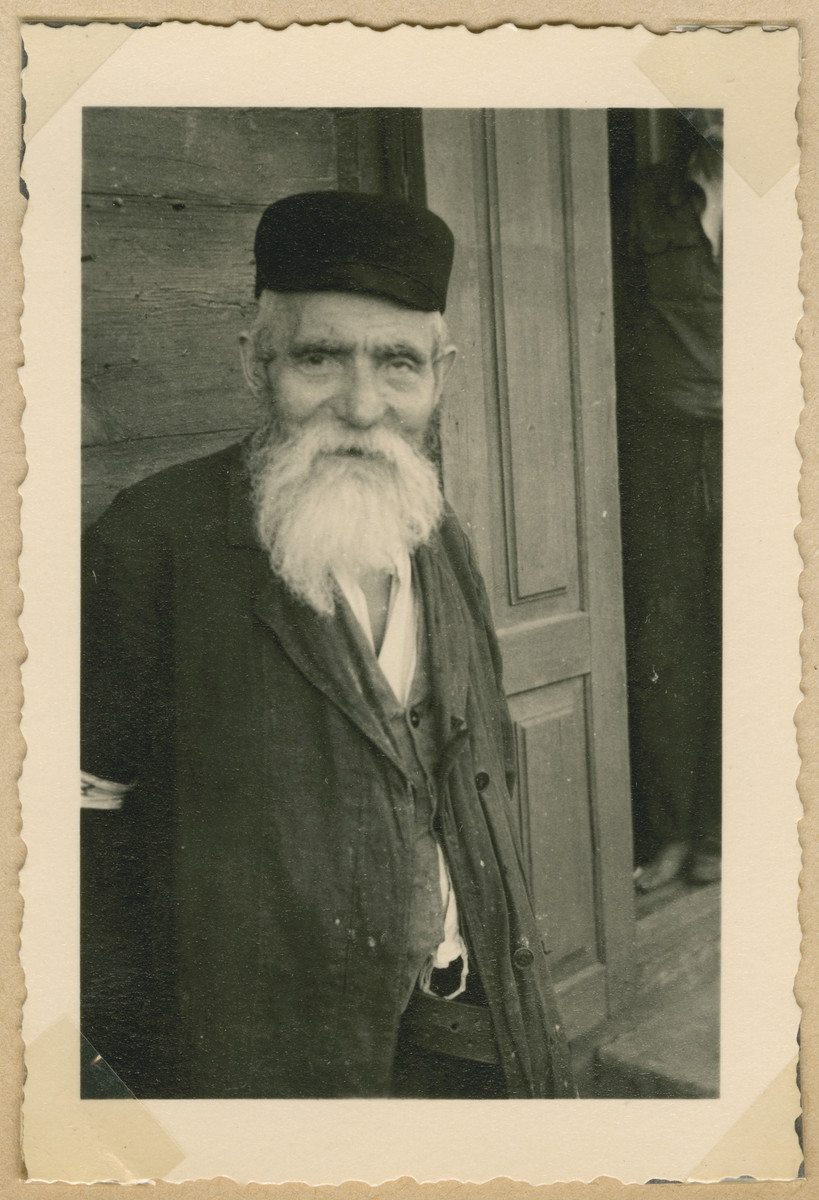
x=355 y=242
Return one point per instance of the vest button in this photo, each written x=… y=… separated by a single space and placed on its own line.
x=523 y=958
x=415 y=718
x=482 y=781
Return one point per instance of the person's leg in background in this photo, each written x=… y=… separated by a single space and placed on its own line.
x=670 y=635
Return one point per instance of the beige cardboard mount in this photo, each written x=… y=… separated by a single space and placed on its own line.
x=754 y=76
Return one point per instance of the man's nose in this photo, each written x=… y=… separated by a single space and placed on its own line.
x=361 y=402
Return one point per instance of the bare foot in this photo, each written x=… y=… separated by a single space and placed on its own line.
x=665 y=866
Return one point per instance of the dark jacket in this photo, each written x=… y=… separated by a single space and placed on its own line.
x=669 y=300
x=245 y=913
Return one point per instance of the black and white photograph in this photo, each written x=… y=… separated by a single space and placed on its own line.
x=358 y=816
x=400 y=676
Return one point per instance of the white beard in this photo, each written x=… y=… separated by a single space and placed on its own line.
x=331 y=500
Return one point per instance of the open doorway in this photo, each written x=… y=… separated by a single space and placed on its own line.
x=666 y=212
x=667 y=267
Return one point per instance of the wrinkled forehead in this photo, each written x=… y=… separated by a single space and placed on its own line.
x=348 y=318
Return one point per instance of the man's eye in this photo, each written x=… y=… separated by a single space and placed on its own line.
x=402 y=365
x=315 y=360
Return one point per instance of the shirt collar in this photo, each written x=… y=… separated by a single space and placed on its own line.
x=399 y=651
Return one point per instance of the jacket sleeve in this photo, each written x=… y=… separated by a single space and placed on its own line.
x=125 y=640
x=125 y=657
x=479 y=602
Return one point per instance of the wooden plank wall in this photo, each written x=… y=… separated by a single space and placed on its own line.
x=171 y=200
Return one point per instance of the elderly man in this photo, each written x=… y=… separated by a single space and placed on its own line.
x=300 y=871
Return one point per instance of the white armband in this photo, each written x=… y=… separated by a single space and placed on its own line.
x=101 y=793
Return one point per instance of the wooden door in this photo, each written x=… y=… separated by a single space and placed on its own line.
x=529 y=463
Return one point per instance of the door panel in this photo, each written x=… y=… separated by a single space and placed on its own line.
x=545 y=650
x=533 y=354
x=529 y=462
x=550 y=726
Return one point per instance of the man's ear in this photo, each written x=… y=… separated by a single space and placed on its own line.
x=442 y=366
x=252 y=367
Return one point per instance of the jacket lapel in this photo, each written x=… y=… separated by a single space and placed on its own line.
x=322 y=648
x=324 y=651
x=447 y=624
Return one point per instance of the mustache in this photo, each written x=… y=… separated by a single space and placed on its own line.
x=329 y=439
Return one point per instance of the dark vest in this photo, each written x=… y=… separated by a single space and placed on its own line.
x=412 y=732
